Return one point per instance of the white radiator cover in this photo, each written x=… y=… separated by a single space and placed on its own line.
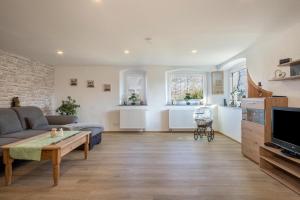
x=181 y=119
x=133 y=119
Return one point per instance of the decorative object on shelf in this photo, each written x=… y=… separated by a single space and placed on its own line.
x=279 y=74
x=294 y=67
x=68 y=107
x=61 y=132
x=260 y=93
x=134 y=98
x=73 y=82
x=236 y=97
x=225 y=102
x=15 y=102
x=187 y=98
x=107 y=87
x=285 y=60
x=90 y=84
x=53 y=133
x=173 y=102
x=217 y=79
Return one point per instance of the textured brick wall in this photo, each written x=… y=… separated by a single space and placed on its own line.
x=31 y=81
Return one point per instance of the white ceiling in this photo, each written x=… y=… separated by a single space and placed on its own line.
x=97 y=33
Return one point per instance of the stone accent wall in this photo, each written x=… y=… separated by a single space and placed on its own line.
x=31 y=81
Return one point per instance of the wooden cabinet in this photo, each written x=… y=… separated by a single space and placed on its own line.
x=252 y=139
x=256 y=123
x=281 y=167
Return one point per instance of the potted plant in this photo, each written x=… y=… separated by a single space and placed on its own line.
x=236 y=96
x=187 y=98
x=134 y=98
x=68 y=107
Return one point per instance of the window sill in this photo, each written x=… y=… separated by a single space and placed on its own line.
x=182 y=105
x=133 y=105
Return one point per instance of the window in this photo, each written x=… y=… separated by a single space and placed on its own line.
x=185 y=86
x=133 y=87
x=239 y=81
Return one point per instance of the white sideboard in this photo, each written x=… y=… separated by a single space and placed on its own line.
x=230 y=119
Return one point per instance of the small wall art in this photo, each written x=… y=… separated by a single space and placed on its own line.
x=107 y=87
x=90 y=84
x=73 y=81
x=217 y=79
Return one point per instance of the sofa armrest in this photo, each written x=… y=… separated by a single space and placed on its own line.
x=61 y=119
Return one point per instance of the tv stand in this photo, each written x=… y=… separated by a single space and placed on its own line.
x=290 y=154
x=281 y=167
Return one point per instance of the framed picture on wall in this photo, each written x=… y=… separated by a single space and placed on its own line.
x=90 y=84
x=217 y=79
x=107 y=87
x=73 y=81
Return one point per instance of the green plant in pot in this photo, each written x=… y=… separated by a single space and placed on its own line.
x=68 y=107
x=134 y=98
x=187 y=98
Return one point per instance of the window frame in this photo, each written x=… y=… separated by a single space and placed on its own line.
x=238 y=69
x=187 y=71
x=124 y=94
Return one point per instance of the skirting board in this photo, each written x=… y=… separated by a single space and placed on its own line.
x=228 y=137
x=148 y=131
x=171 y=132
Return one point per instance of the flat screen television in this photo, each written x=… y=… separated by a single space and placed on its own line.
x=286 y=129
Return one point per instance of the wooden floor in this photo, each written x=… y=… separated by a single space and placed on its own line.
x=154 y=166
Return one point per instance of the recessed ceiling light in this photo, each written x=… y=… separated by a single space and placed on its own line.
x=60 y=52
x=126 y=52
x=97 y=1
x=194 y=51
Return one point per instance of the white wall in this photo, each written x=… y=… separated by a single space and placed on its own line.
x=263 y=57
x=102 y=107
x=98 y=106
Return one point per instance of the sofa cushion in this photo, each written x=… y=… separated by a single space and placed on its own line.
x=38 y=123
x=26 y=112
x=23 y=134
x=61 y=119
x=9 y=121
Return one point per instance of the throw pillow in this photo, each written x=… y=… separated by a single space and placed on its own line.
x=38 y=123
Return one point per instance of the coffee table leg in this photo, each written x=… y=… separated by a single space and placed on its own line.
x=56 y=158
x=86 y=147
x=8 y=166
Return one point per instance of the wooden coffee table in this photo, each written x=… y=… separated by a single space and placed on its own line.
x=53 y=152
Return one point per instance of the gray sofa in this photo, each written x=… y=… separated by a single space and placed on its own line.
x=23 y=122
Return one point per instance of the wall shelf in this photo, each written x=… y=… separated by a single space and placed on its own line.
x=286 y=78
x=289 y=64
